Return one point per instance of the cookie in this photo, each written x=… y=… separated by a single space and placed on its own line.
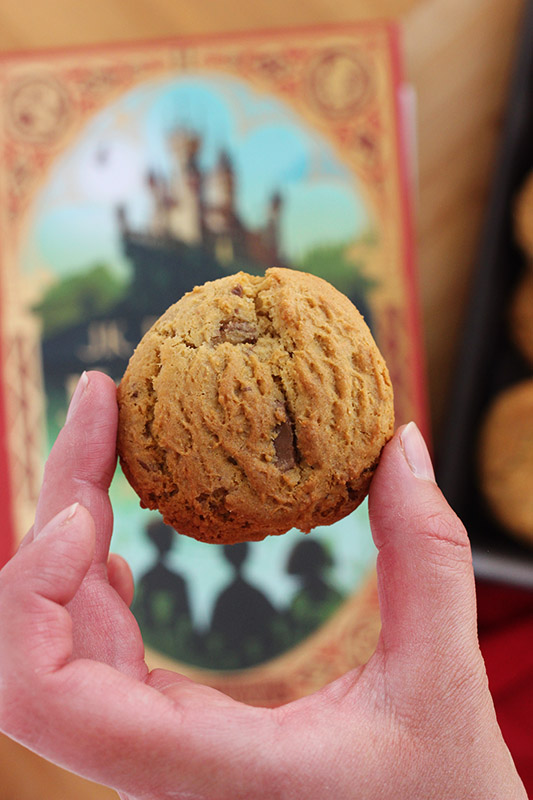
x=506 y=459
x=521 y=316
x=255 y=404
x=523 y=216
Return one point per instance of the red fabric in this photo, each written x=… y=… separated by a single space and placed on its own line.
x=505 y=616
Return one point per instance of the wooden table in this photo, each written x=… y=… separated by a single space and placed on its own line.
x=458 y=56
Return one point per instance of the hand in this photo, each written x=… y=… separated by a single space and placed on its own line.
x=416 y=722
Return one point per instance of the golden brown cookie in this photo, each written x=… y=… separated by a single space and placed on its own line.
x=506 y=459
x=523 y=216
x=255 y=404
x=521 y=316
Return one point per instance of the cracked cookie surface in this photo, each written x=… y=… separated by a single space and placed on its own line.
x=255 y=404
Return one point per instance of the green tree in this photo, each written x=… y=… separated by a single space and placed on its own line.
x=330 y=262
x=77 y=298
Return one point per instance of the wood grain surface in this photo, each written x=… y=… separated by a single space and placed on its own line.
x=458 y=55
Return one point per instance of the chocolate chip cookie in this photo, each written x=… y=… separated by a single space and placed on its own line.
x=255 y=404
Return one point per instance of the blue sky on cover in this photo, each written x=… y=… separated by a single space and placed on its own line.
x=72 y=223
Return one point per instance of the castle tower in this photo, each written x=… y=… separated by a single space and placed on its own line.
x=223 y=180
x=271 y=233
x=160 y=222
x=185 y=145
x=220 y=197
x=186 y=189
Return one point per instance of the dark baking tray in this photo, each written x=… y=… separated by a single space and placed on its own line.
x=488 y=362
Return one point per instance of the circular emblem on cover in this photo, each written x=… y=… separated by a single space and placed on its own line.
x=38 y=109
x=340 y=82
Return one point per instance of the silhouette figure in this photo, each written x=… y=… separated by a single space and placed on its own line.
x=162 y=595
x=316 y=600
x=243 y=619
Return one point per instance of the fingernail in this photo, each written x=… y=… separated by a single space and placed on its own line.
x=416 y=453
x=78 y=394
x=62 y=518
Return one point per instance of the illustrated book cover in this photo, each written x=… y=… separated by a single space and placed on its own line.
x=128 y=175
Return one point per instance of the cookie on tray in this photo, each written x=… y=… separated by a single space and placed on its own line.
x=255 y=404
x=506 y=459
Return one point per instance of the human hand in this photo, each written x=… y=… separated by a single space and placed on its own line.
x=417 y=721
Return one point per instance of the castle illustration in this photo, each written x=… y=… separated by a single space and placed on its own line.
x=194 y=234
x=198 y=208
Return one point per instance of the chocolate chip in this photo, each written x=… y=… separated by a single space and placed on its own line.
x=355 y=494
x=284 y=446
x=236 y=331
x=237 y=289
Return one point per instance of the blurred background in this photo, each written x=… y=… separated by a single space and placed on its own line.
x=465 y=62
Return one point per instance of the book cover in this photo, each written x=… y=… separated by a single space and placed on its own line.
x=130 y=174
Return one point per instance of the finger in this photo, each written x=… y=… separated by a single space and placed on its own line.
x=120 y=577
x=35 y=585
x=183 y=689
x=425 y=576
x=92 y=719
x=80 y=467
x=82 y=460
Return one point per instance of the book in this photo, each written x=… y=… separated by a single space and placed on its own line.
x=128 y=175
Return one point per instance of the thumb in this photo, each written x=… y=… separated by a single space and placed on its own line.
x=425 y=576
